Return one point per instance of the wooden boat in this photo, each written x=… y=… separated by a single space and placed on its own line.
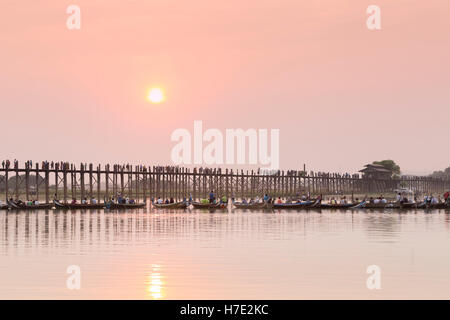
x=379 y=205
x=294 y=205
x=253 y=206
x=199 y=205
x=176 y=205
x=406 y=205
x=23 y=206
x=113 y=205
x=78 y=205
x=334 y=205
x=442 y=205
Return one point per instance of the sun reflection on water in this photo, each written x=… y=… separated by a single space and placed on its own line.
x=156 y=283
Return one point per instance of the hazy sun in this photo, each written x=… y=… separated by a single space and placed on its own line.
x=155 y=95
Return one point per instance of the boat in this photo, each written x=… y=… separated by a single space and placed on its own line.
x=199 y=205
x=78 y=205
x=402 y=205
x=113 y=205
x=442 y=205
x=23 y=206
x=176 y=205
x=380 y=205
x=334 y=205
x=254 y=206
x=294 y=205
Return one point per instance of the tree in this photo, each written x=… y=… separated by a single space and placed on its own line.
x=389 y=165
x=441 y=174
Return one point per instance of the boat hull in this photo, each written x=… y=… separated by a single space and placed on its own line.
x=290 y=206
x=16 y=206
x=334 y=206
x=125 y=205
x=177 y=205
x=74 y=206
x=198 y=205
x=253 y=206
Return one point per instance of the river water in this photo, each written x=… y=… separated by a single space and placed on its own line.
x=156 y=254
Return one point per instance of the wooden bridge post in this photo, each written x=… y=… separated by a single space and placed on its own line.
x=194 y=184
x=122 y=181
x=7 y=183
x=130 y=182
x=37 y=181
x=91 y=181
x=47 y=183
x=144 y=183
x=64 y=168
x=137 y=173
x=16 y=187
x=56 y=181
x=99 y=180
x=82 y=169
x=27 y=182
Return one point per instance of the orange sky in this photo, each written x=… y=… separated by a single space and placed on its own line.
x=341 y=95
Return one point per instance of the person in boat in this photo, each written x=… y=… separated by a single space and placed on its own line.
x=224 y=199
x=266 y=198
x=36 y=202
x=319 y=198
x=74 y=201
x=212 y=197
x=84 y=201
x=376 y=200
x=434 y=200
x=29 y=203
x=93 y=201
x=399 y=197
x=167 y=201
x=343 y=200
x=244 y=201
x=279 y=200
x=172 y=200
x=252 y=201
x=446 y=196
x=132 y=201
x=159 y=201
x=383 y=199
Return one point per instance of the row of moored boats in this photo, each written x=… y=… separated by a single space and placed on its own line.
x=253 y=205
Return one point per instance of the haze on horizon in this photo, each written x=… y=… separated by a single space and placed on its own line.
x=341 y=95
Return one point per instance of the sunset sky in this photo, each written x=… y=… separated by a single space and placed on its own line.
x=341 y=95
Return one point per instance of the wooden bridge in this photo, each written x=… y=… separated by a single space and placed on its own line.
x=67 y=181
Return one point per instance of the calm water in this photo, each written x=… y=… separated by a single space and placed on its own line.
x=148 y=254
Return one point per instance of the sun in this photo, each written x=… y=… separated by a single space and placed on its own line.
x=155 y=95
